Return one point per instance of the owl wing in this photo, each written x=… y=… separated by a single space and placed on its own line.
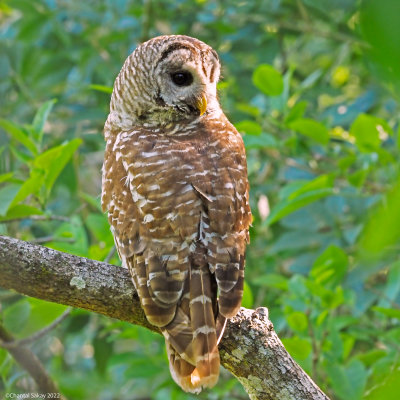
x=225 y=196
x=139 y=201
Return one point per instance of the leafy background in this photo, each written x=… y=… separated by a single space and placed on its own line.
x=313 y=87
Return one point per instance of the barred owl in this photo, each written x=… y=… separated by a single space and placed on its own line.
x=176 y=191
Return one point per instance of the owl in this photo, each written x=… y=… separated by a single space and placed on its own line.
x=176 y=191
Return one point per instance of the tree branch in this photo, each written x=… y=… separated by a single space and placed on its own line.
x=37 y=335
x=28 y=361
x=250 y=348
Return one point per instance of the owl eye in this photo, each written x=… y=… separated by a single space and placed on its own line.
x=182 y=78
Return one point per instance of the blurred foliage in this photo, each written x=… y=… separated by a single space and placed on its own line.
x=312 y=87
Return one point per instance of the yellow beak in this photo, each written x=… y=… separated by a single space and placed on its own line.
x=202 y=105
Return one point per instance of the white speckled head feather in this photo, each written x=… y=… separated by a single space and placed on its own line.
x=144 y=92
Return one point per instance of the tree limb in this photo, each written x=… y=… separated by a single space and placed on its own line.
x=28 y=361
x=37 y=335
x=250 y=348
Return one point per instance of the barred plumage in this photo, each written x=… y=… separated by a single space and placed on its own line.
x=176 y=191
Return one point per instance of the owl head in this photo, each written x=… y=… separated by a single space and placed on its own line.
x=166 y=79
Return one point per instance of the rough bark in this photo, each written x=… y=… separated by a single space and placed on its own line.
x=250 y=348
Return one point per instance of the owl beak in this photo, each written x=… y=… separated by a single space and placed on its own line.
x=202 y=105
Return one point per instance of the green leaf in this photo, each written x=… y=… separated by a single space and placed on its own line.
x=398 y=138
x=7 y=195
x=268 y=80
x=41 y=118
x=368 y=131
x=248 y=299
x=264 y=140
x=100 y=251
x=297 y=111
x=7 y=10
x=298 y=286
x=271 y=280
x=348 y=344
x=388 y=389
x=279 y=103
x=322 y=317
x=99 y=227
x=392 y=288
x=389 y=312
x=21 y=155
x=54 y=160
x=18 y=134
x=103 y=350
x=320 y=182
x=369 y=358
x=75 y=230
x=248 y=109
x=249 y=127
x=297 y=321
x=101 y=88
x=349 y=382
x=6 y=177
x=16 y=316
x=142 y=368
x=120 y=358
x=311 y=79
x=346 y=162
x=93 y=201
x=358 y=178
x=313 y=129
x=297 y=347
x=42 y=313
x=380 y=27
x=331 y=298
x=21 y=211
x=380 y=232
x=30 y=186
x=330 y=267
x=3 y=357
x=303 y=195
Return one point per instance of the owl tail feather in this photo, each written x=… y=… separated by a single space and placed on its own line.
x=192 y=378
x=192 y=336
